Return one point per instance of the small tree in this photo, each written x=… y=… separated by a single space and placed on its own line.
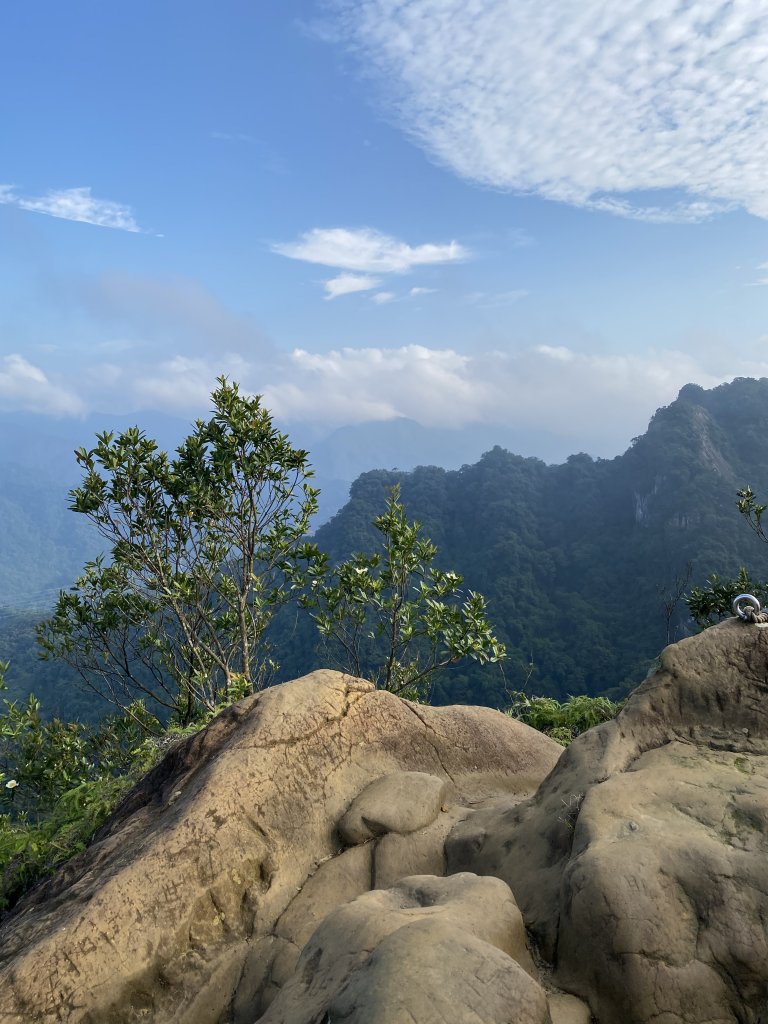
x=752 y=511
x=714 y=602
x=203 y=548
x=393 y=617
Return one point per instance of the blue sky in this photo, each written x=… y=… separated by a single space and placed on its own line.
x=459 y=211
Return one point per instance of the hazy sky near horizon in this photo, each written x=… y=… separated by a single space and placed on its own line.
x=542 y=216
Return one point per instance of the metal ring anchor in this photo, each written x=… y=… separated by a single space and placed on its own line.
x=749 y=599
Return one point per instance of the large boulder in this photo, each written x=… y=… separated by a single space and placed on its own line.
x=430 y=950
x=641 y=865
x=195 y=900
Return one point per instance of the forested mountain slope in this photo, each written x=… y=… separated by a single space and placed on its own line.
x=42 y=544
x=577 y=559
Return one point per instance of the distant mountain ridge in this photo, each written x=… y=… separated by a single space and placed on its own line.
x=576 y=558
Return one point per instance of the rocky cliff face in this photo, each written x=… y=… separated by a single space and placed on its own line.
x=324 y=852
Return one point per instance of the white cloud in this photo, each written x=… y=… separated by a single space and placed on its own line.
x=183 y=384
x=347 y=284
x=177 y=383
x=422 y=291
x=25 y=386
x=382 y=298
x=367 y=251
x=558 y=352
x=582 y=101
x=74 y=204
x=595 y=401
x=104 y=376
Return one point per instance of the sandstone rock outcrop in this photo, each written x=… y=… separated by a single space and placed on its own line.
x=432 y=950
x=195 y=900
x=641 y=865
x=286 y=866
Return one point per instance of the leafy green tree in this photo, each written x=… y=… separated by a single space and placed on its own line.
x=203 y=548
x=395 y=618
x=714 y=602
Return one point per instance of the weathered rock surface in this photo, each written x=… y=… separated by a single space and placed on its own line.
x=431 y=950
x=197 y=897
x=401 y=802
x=641 y=864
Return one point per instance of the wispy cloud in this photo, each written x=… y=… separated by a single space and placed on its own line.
x=232 y=137
x=169 y=311
x=382 y=298
x=367 y=251
x=421 y=291
x=347 y=284
x=762 y=269
x=519 y=238
x=25 y=386
x=490 y=300
x=74 y=204
x=582 y=101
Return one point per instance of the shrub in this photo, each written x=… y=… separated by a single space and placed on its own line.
x=563 y=722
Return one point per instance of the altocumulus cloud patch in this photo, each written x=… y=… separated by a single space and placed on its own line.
x=581 y=101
